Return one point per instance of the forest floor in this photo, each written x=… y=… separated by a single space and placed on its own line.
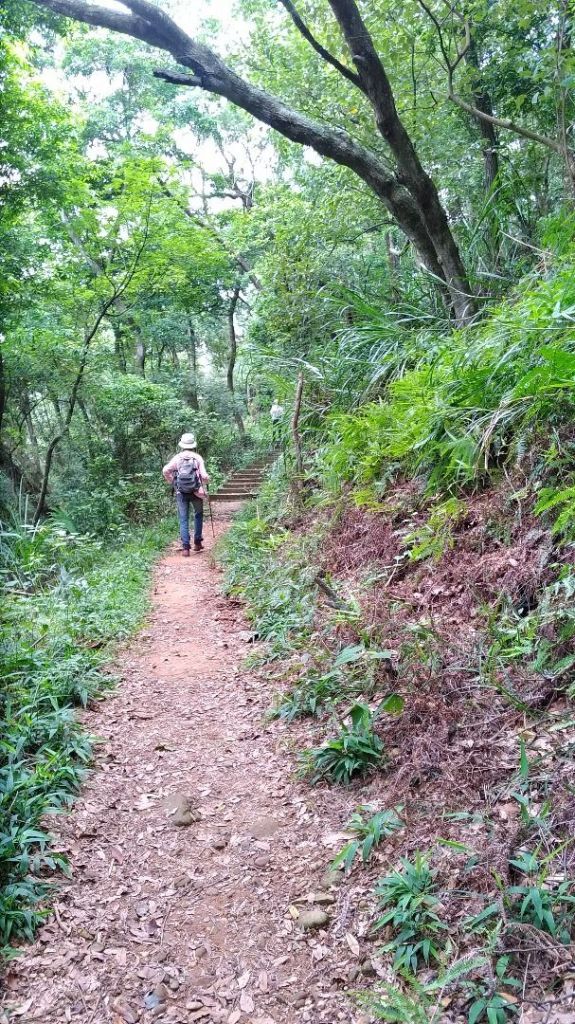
x=192 y=845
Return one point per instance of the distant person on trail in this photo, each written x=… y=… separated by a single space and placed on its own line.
x=187 y=474
x=277 y=415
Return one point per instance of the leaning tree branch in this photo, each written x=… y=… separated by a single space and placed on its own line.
x=483 y=115
x=410 y=170
x=324 y=54
x=336 y=144
x=511 y=126
x=102 y=17
x=211 y=74
x=178 y=78
x=451 y=65
x=410 y=195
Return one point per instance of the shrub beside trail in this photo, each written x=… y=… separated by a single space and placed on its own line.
x=66 y=599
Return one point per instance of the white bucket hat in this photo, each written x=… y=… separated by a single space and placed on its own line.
x=187 y=441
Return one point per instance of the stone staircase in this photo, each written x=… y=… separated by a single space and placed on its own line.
x=244 y=483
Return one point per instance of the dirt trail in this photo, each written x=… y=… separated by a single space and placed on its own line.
x=187 y=923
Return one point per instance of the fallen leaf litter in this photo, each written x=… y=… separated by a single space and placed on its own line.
x=188 y=845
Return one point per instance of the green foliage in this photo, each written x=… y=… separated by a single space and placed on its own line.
x=539 y=900
x=551 y=499
x=417 y=1002
x=353 y=672
x=468 y=401
x=547 y=905
x=436 y=535
x=409 y=899
x=66 y=597
x=491 y=1007
x=315 y=692
x=395 y=1005
x=488 y=998
x=271 y=570
x=356 y=750
x=369 y=830
x=543 y=638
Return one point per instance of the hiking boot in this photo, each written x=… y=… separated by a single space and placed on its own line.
x=186 y=552
x=198 y=545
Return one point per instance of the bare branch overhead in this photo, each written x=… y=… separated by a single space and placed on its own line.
x=324 y=54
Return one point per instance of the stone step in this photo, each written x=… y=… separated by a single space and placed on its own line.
x=244 y=483
x=243 y=496
x=244 y=479
x=258 y=471
x=257 y=475
x=236 y=487
x=248 y=473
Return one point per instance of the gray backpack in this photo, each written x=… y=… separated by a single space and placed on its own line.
x=188 y=479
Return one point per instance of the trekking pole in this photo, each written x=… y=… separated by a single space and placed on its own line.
x=210 y=511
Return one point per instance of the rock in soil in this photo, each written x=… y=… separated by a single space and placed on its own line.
x=312 y=919
x=181 y=810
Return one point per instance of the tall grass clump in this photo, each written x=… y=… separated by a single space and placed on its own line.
x=65 y=598
x=452 y=407
x=270 y=569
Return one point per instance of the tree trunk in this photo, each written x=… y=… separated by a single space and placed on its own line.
x=2 y=390
x=57 y=412
x=232 y=355
x=65 y=425
x=119 y=350
x=140 y=348
x=89 y=336
x=489 y=147
x=297 y=483
x=393 y=264
x=193 y=350
x=89 y=427
x=490 y=142
x=32 y=436
x=411 y=172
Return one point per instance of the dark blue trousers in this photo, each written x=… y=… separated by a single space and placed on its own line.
x=184 y=501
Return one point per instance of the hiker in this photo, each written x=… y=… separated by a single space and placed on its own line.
x=276 y=413
x=187 y=474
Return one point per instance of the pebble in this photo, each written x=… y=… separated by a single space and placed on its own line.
x=181 y=810
x=321 y=898
x=331 y=877
x=125 y=1011
x=312 y=919
x=264 y=828
x=368 y=969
